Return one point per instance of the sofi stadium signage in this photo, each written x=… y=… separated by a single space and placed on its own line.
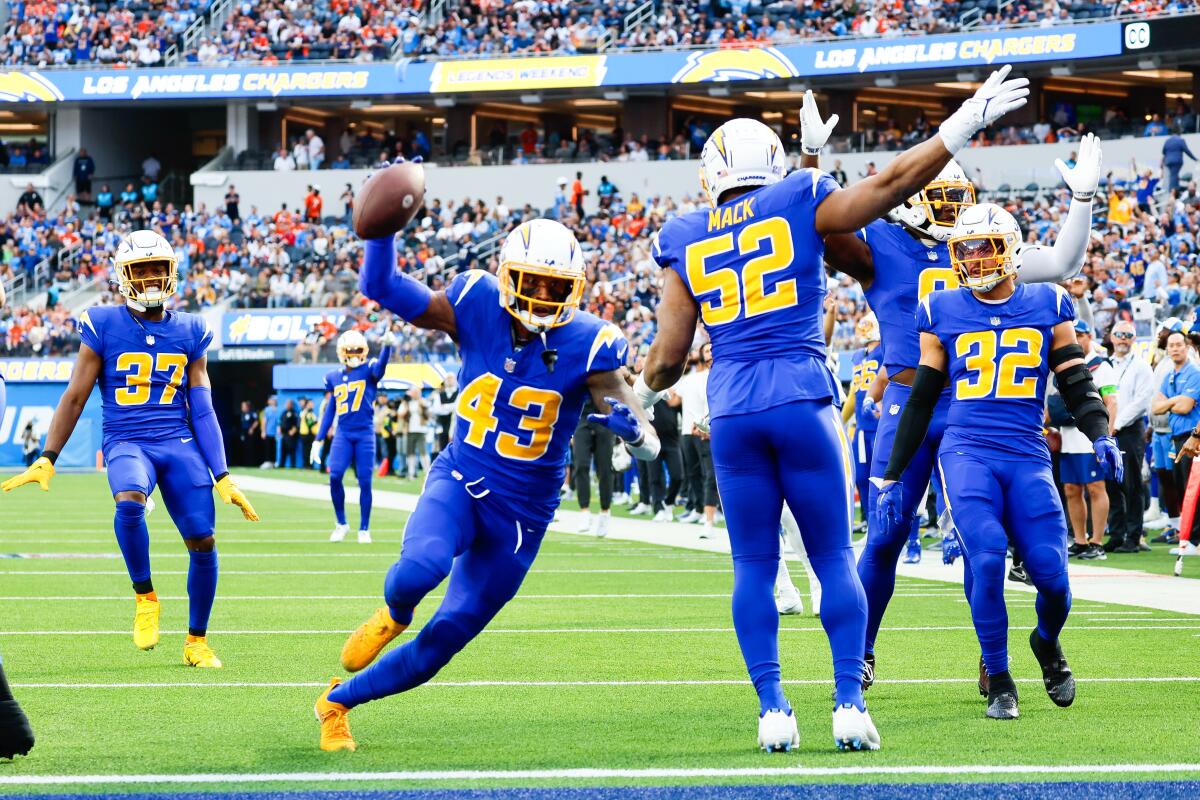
x=408 y=77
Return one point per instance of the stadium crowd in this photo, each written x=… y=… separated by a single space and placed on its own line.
x=136 y=33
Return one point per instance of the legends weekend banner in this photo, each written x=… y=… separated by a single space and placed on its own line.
x=408 y=77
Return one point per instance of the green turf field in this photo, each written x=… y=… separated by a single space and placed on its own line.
x=617 y=654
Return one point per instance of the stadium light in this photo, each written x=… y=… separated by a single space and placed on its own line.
x=531 y=99
x=967 y=76
x=619 y=96
x=1154 y=62
x=444 y=102
x=797 y=86
x=718 y=91
x=886 y=81
x=360 y=105
x=1063 y=71
x=266 y=106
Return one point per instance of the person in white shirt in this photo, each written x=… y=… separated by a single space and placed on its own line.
x=284 y=161
x=1079 y=469
x=300 y=154
x=316 y=149
x=691 y=393
x=1135 y=389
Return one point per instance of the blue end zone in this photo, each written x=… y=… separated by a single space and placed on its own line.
x=1090 y=790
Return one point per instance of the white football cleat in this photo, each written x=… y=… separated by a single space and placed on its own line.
x=664 y=516
x=364 y=537
x=690 y=516
x=777 y=731
x=641 y=509
x=1185 y=548
x=586 y=522
x=620 y=498
x=814 y=596
x=339 y=533
x=853 y=729
x=789 y=602
x=600 y=526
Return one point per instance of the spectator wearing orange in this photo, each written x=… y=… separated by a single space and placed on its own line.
x=313 y=205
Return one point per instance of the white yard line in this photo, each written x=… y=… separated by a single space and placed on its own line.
x=601 y=773
x=1088 y=582
x=550 y=684
x=1142 y=626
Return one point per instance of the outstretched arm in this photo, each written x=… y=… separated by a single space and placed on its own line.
x=847 y=210
x=66 y=416
x=379 y=367
x=677 y=313
x=918 y=411
x=402 y=294
x=623 y=413
x=208 y=436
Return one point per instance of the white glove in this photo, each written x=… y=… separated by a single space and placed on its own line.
x=620 y=457
x=813 y=132
x=995 y=98
x=1084 y=177
x=388 y=339
x=646 y=396
x=314 y=455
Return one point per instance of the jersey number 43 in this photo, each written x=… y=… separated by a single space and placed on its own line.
x=477 y=406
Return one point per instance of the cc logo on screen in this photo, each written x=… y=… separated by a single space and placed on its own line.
x=1137 y=35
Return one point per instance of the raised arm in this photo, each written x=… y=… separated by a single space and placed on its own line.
x=677 y=314
x=1040 y=264
x=62 y=424
x=847 y=210
x=379 y=367
x=402 y=294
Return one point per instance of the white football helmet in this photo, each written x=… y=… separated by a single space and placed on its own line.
x=985 y=246
x=541 y=253
x=742 y=152
x=867 y=329
x=933 y=211
x=352 y=349
x=145 y=267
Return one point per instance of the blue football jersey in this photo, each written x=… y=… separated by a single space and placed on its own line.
x=999 y=363
x=514 y=418
x=906 y=271
x=353 y=391
x=143 y=383
x=865 y=368
x=755 y=267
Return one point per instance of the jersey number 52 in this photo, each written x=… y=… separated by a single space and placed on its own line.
x=749 y=288
x=477 y=406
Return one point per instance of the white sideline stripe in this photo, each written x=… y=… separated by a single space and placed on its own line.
x=557 y=631
x=534 y=571
x=597 y=773
x=548 y=684
x=127 y=597
x=377 y=554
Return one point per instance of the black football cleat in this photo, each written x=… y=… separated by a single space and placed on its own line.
x=1018 y=574
x=1056 y=674
x=983 y=678
x=1002 y=697
x=868 y=677
x=16 y=737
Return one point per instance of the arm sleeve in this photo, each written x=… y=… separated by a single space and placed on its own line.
x=380 y=362
x=1040 y=264
x=380 y=281
x=1082 y=399
x=914 y=421
x=208 y=432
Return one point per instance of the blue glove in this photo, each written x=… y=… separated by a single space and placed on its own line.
x=1109 y=456
x=869 y=406
x=620 y=420
x=951 y=549
x=888 y=508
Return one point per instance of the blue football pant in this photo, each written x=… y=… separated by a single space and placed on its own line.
x=344 y=451
x=458 y=529
x=185 y=485
x=864 y=450
x=798 y=452
x=991 y=500
x=877 y=565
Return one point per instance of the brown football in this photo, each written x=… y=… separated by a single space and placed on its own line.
x=388 y=200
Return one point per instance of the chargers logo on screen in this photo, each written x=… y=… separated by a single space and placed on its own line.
x=18 y=87
x=750 y=64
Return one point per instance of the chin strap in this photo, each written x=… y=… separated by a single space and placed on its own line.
x=549 y=355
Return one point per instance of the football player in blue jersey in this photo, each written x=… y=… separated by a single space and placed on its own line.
x=994 y=343
x=751 y=269
x=350 y=398
x=529 y=359
x=16 y=735
x=898 y=262
x=159 y=429
x=866 y=363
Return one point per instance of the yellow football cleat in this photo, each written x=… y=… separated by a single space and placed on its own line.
x=197 y=653
x=371 y=637
x=335 y=721
x=145 y=622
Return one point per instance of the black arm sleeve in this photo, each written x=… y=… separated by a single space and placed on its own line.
x=914 y=422
x=1083 y=401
